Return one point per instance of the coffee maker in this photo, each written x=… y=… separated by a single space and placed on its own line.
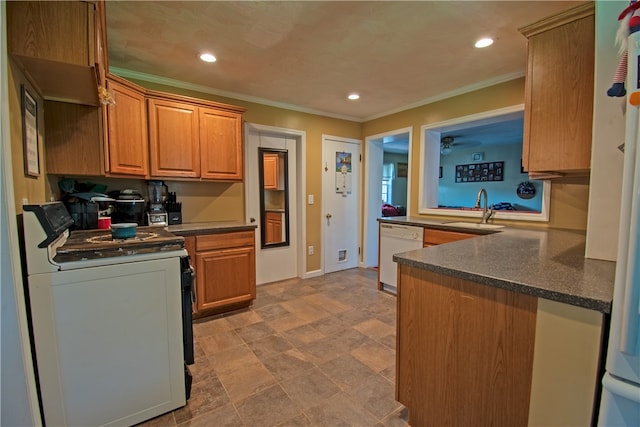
x=157 y=214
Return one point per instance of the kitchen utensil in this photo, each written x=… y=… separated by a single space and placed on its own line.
x=125 y=230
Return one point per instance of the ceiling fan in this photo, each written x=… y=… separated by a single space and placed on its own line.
x=447 y=143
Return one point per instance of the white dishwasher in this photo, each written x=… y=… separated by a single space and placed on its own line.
x=395 y=238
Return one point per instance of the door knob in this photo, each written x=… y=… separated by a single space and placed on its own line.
x=252 y=219
x=328 y=216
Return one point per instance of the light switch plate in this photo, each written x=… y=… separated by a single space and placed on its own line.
x=310 y=199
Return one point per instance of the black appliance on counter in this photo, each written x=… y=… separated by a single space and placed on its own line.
x=129 y=207
x=85 y=208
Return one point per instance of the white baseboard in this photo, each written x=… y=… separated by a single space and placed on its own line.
x=310 y=274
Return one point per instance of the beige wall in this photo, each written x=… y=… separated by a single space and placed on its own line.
x=32 y=189
x=568 y=200
x=314 y=126
x=225 y=202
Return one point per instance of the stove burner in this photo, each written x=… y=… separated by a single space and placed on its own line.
x=141 y=236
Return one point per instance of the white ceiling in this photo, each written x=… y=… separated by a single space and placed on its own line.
x=309 y=55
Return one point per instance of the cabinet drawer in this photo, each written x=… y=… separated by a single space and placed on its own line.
x=438 y=237
x=224 y=240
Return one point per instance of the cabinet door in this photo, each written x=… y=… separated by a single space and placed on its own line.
x=559 y=98
x=270 y=171
x=173 y=139
x=221 y=144
x=273 y=227
x=126 y=140
x=225 y=276
x=439 y=237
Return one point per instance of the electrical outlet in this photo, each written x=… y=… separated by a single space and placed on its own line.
x=310 y=250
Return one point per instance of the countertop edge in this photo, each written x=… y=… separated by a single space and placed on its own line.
x=200 y=228
x=523 y=288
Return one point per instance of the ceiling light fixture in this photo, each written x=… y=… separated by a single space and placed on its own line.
x=484 y=42
x=207 y=57
x=445 y=145
x=353 y=96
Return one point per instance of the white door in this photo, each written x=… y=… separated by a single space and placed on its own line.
x=340 y=202
x=280 y=262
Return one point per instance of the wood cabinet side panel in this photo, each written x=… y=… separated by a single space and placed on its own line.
x=73 y=139
x=464 y=351
x=560 y=101
x=55 y=31
x=173 y=139
x=127 y=144
x=221 y=144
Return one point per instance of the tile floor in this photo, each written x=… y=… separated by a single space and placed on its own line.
x=314 y=352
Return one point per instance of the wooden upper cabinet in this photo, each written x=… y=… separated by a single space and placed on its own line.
x=55 y=44
x=126 y=142
x=559 y=92
x=270 y=171
x=221 y=144
x=73 y=139
x=174 y=145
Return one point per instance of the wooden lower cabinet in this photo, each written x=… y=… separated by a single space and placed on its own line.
x=273 y=227
x=434 y=237
x=225 y=271
x=469 y=354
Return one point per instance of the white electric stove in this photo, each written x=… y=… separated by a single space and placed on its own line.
x=111 y=324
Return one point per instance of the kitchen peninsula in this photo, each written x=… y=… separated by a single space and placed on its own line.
x=511 y=323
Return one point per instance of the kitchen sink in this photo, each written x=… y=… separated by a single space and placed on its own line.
x=475 y=225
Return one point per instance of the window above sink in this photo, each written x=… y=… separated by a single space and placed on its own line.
x=459 y=157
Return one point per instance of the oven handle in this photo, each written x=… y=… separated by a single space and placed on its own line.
x=194 y=294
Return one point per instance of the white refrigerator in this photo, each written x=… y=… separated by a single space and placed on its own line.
x=620 y=404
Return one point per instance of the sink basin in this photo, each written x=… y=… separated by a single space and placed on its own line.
x=475 y=225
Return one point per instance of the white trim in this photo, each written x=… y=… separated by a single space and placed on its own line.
x=460 y=91
x=9 y=226
x=301 y=180
x=430 y=134
x=314 y=273
x=322 y=207
x=136 y=75
x=367 y=183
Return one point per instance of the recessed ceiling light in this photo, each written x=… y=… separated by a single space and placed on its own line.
x=353 y=96
x=207 y=57
x=484 y=42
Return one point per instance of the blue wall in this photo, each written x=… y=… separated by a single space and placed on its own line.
x=463 y=194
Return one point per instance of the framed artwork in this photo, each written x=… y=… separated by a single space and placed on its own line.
x=480 y=172
x=403 y=170
x=30 y=134
x=477 y=157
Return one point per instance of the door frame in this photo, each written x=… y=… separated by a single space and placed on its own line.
x=372 y=148
x=323 y=204
x=301 y=181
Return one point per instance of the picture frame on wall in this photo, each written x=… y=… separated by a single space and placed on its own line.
x=30 y=133
x=403 y=170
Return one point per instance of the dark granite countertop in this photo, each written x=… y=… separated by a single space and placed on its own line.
x=96 y=244
x=211 y=227
x=547 y=263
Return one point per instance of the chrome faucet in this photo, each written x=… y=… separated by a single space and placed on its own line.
x=486 y=213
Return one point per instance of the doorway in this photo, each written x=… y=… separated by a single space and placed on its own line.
x=276 y=262
x=340 y=203
x=389 y=144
